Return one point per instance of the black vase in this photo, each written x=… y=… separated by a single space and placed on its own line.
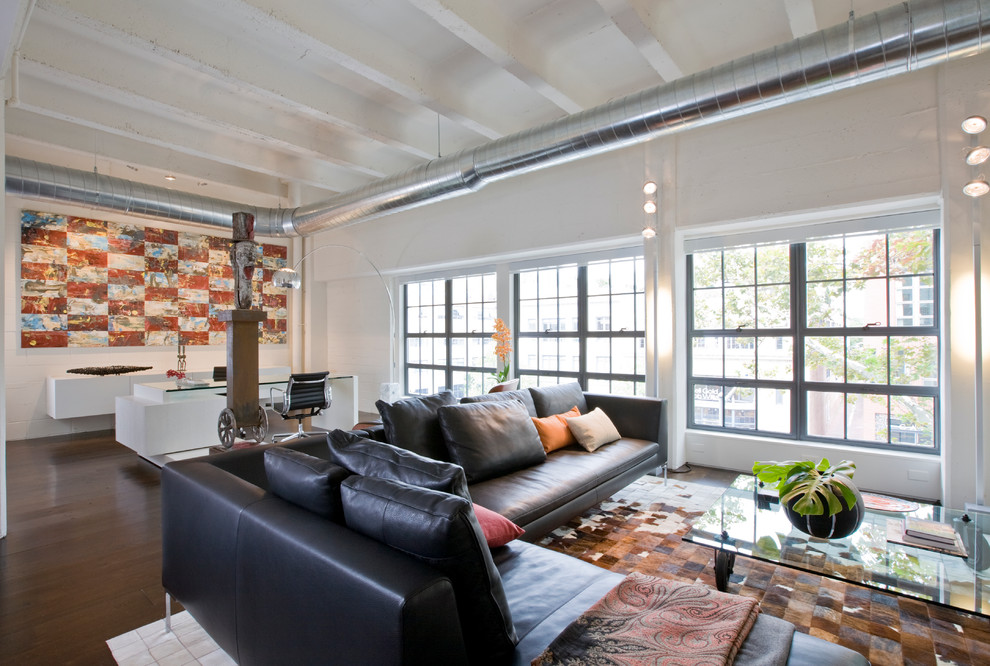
x=836 y=526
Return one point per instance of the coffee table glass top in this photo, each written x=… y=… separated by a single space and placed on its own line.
x=753 y=525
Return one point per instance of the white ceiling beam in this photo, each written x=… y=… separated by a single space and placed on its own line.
x=96 y=106
x=484 y=29
x=14 y=17
x=59 y=142
x=801 y=16
x=627 y=20
x=292 y=135
x=314 y=97
x=348 y=44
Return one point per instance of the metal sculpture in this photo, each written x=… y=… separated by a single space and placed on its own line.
x=243 y=417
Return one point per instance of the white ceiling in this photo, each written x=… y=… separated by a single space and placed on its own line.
x=251 y=96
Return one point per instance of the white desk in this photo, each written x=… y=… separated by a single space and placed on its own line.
x=161 y=418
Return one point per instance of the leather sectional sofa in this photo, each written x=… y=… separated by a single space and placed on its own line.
x=345 y=550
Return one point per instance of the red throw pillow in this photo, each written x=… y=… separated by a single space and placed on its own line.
x=498 y=529
x=554 y=431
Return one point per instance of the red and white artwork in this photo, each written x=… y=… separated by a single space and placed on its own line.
x=94 y=283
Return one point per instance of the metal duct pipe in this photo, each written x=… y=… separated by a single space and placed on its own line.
x=36 y=180
x=899 y=39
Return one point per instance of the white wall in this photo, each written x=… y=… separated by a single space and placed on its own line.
x=27 y=369
x=895 y=142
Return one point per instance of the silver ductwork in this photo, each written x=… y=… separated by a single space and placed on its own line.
x=36 y=180
x=899 y=39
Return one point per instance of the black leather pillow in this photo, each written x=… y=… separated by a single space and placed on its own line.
x=489 y=439
x=370 y=458
x=306 y=481
x=522 y=395
x=412 y=423
x=558 y=398
x=441 y=530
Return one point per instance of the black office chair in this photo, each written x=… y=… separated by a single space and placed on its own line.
x=306 y=394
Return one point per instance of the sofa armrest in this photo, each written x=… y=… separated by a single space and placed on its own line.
x=635 y=417
x=313 y=591
x=201 y=508
x=249 y=463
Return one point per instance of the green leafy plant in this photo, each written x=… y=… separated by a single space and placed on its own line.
x=814 y=488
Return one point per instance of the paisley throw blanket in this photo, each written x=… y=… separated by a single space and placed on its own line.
x=648 y=620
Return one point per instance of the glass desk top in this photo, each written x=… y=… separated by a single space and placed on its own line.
x=172 y=385
x=754 y=525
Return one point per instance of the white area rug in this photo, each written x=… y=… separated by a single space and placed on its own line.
x=186 y=644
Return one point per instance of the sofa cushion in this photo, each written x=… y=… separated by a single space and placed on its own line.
x=526 y=495
x=306 y=481
x=593 y=429
x=553 y=430
x=498 y=529
x=523 y=395
x=488 y=439
x=558 y=398
x=370 y=458
x=412 y=423
x=441 y=530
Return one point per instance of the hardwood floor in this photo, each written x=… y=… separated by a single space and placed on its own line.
x=82 y=559
x=81 y=562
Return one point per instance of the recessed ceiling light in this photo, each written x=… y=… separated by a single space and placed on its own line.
x=974 y=124
x=976 y=188
x=650 y=207
x=170 y=178
x=649 y=232
x=649 y=187
x=977 y=155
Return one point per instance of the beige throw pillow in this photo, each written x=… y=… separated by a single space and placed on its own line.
x=593 y=429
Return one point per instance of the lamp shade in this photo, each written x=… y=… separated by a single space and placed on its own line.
x=287 y=278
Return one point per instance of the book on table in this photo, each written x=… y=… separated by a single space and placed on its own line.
x=896 y=533
x=929 y=530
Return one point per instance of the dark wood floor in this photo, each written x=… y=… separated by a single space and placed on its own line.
x=82 y=559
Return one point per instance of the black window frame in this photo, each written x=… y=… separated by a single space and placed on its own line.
x=800 y=387
x=447 y=335
x=584 y=333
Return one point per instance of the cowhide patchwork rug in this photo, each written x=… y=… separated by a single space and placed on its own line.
x=640 y=528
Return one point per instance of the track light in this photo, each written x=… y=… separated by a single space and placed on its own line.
x=974 y=124
x=976 y=188
x=977 y=155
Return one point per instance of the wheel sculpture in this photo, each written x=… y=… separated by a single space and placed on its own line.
x=260 y=431
x=227 y=428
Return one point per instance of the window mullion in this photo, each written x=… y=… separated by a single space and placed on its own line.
x=799 y=314
x=582 y=324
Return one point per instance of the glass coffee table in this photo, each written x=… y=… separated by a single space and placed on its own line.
x=748 y=521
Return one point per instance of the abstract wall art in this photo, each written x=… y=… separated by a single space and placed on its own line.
x=95 y=283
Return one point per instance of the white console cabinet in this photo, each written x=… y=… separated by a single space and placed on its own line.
x=160 y=419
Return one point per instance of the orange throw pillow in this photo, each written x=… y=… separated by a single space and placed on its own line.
x=553 y=430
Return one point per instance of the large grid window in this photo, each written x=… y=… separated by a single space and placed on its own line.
x=583 y=322
x=448 y=329
x=831 y=340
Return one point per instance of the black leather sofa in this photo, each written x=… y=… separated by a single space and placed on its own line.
x=541 y=497
x=274 y=582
